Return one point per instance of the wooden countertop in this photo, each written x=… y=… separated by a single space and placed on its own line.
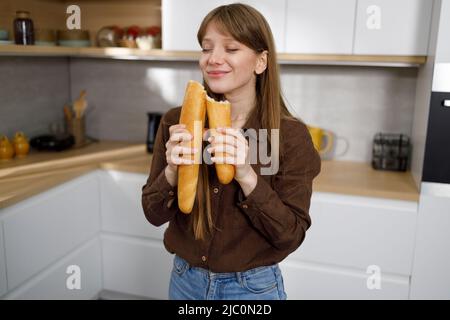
x=40 y=171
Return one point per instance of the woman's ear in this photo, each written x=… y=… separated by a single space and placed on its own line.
x=261 y=63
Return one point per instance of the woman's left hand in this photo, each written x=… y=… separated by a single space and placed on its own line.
x=234 y=148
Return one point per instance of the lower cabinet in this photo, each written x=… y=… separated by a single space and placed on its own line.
x=431 y=272
x=136 y=266
x=77 y=276
x=120 y=199
x=3 y=281
x=356 y=248
x=358 y=232
x=43 y=229
x=303 y=281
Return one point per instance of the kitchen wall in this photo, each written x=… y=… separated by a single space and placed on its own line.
x=33 y=92
x=353 y=102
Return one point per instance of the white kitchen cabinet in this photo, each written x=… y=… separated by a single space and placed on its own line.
x=431 y=270
x=52 y=282
x=304 y=281
x=136 y=266
x=181 y=20
x=44 y=228
x=443 y=43
x=358 y=232
x=320 y=26
x=386 y=27
x=3 y=281
x=121 y=207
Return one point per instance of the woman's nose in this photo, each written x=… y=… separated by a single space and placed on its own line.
x=216 y=57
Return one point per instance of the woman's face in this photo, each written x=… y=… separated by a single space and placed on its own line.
x=228 y=66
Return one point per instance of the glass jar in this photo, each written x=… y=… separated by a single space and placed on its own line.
x=23 y=28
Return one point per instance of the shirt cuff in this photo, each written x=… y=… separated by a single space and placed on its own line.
x=256 y=200
x=166 y=191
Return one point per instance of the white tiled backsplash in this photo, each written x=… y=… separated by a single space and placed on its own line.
x=353 y=102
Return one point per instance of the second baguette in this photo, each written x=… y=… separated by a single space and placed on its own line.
x=219 y=115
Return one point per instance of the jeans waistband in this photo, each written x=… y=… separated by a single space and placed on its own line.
x=224 y=275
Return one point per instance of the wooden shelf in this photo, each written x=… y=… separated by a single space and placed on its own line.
x=162 y=55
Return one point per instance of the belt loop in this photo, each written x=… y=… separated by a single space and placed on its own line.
x=239 y=278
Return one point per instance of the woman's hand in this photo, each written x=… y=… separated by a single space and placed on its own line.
x=234 y=147
x=175 y=151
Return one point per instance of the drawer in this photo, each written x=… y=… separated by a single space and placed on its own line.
x=360 y=231
x=52 y=282
x=136 y=266
x=315 y=281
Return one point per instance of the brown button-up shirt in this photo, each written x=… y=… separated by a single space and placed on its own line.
x=258 y=230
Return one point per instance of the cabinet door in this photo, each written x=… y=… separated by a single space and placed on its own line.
x=386 y=27
x=136 y=266
x=359 y=232
x=315 y=281
x=431 y=278
x=181 y=20
x=320 y=26
x=44 y=228
x=52 y=283
x=121 y=208
x=443 y=44
x=3 y=283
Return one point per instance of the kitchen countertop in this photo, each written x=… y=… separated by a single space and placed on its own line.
x=23 y=178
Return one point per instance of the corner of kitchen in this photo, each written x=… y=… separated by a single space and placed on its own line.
x=79 y=111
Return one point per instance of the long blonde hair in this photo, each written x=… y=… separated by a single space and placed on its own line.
x=249 y=27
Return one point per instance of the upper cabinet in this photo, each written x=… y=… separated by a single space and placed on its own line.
x=320 y=26
x=386 y=27
x=181 y=20
x=443 y=43
x=344 y=27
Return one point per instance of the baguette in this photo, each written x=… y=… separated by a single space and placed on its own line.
x=219 y=115
x=193 y=112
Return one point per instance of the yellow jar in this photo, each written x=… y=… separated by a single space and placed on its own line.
x=21 y=145
x=6 y=149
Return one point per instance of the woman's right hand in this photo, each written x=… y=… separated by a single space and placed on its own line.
x=175 y=149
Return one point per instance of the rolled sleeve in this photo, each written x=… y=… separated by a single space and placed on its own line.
x=281 y=212
x=158 y=196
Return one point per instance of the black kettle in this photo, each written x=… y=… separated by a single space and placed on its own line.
x=152 y=127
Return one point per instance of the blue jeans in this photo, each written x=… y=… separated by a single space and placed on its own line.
x=193 y=283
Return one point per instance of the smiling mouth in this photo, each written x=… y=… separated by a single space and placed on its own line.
x=217 y=73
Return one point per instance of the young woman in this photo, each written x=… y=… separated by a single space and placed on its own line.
x=229 y=247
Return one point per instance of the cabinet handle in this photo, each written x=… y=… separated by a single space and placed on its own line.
x=446 y=103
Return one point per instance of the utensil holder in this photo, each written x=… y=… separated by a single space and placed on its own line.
x=77 y=128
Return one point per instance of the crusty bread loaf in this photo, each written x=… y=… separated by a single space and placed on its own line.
x=193 y=112
x=219 y=115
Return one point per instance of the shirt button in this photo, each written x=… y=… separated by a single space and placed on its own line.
x=244 y=206
x=216 y=190
x=171 y=193
x=203 y=258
